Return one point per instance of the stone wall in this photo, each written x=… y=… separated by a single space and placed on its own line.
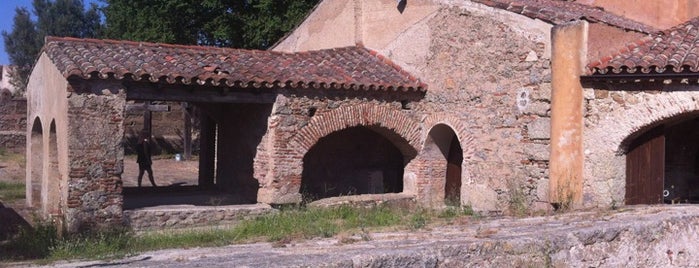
x=300 y=118
x=495 y=82
x=489 y=80
x=13 y=124
x=96 y=156
x=614 y=116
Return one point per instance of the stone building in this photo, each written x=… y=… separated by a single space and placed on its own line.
x=485 y=103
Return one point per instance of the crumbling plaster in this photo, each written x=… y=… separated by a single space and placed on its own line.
x=47 y=102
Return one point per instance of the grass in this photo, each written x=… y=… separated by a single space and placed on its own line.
x=11 y=191
x=289 y=224
x=7 y=156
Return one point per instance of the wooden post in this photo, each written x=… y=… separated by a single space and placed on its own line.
x=568 y=57
x=207 y=151
x=187 y=143
x=147 y=108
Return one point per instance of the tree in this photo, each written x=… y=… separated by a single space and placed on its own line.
x=229 y=23
x=22 y=46
x=57 y=18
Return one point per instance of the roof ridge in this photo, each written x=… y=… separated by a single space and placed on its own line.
x=557 y=12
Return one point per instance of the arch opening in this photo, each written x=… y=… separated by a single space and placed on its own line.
x=662 y=164
x=444 y=153
x=352 y=161
x=36 y=154
x=53 y=178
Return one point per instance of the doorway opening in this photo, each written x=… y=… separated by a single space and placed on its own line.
x=662 y=164
x=353 y=161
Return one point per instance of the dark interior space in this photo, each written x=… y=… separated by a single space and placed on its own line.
x=662 y=164
x=442 y=147
x=352 y=161
x=682 y=162
x=221 y=170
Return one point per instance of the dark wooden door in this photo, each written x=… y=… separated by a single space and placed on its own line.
x=645 y=169
x=452 y=188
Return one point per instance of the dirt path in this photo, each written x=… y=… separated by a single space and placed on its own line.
x=166 y=171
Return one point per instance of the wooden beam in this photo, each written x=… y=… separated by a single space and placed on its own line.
x=193 y=93
x=140 y=107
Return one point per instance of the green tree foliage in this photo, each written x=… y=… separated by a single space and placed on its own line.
x=21 y=45
x=54 y=17
x=230 y=23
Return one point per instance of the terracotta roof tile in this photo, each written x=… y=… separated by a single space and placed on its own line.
x=340 y=68
x=558 y=12
x=673 y=50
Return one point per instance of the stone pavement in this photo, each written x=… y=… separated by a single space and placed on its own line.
x=649 y=236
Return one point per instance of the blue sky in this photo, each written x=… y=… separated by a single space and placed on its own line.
x=7 y=13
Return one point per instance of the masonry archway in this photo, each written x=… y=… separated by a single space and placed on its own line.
x=616 y=137
x=662 y=164
x=443 y=154
x=51 y=204
x=352 y=161
x=36 y=162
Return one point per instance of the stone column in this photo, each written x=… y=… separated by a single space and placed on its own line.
x=568 y=57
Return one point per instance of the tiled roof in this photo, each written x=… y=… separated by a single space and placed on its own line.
x=557 y=12
x=339 y=68
x=673 y=50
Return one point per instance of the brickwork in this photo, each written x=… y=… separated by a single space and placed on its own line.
x=13 y=124
x=96 y=155
x=502 y=96
x=613 y=118
x=298 y=120
x=489 y=81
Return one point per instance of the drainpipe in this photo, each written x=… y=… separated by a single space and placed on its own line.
x=568 y=58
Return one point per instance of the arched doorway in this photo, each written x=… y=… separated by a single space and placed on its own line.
x=52 y=181
x=352 y=161
x=36 y=156
x=444 y=153
x=662 y=164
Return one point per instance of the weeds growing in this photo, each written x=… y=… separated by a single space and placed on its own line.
x=287 y=225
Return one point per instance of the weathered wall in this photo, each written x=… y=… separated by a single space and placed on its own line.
x=47 y=104
x=604 y=40
x=331 y=24
x=489 y=80
x=613 y=118
x=240 y=131
x=13 y=124
x=95 y=123
x=300 y=118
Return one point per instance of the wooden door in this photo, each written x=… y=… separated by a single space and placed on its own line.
x=645 y=169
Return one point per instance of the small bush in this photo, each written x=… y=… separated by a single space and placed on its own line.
x=31 y=243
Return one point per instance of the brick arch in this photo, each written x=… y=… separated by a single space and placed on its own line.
x=467 y=143
x=619 y=128
x=383 y=119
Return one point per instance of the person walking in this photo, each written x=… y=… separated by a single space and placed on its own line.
x=144 y=161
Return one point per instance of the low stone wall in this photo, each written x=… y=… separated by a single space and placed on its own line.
x=13 y=124
x=656 y=236
x=185 y=216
